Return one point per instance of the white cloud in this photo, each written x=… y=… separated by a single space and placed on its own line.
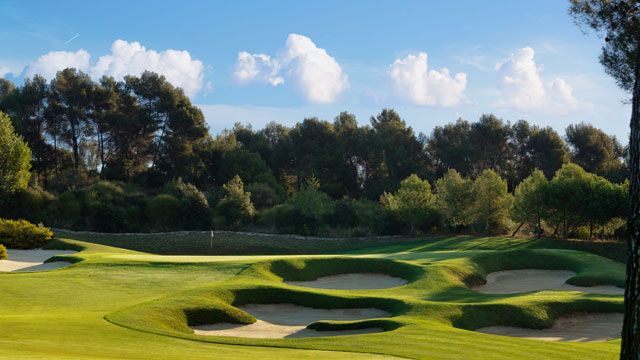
x=315 y=73
x=126 y=59
x=132 y=59
x=256 y=68
x=49 y=64
x=522 y=87
x=412 y=80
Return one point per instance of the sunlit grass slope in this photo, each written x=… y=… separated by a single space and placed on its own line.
x=116 y=303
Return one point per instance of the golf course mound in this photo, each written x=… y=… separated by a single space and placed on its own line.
x=33 y=260
x=345 y=273
x=291 y=321
x=517 y=281
x=577 y=327
x=352 y=281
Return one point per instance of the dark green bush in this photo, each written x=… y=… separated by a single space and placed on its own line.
x=30 y=204
x=263 y=196
x=3 y=252
x=164 y=211
x=194 y=207
x=107 y=218
x=21 y=234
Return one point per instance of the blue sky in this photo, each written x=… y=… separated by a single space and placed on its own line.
x=254 y=62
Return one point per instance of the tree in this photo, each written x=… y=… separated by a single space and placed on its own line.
x=413 y=202
x=15 y=160
x=71 y=97
x=455 y=199
x=235 y=206
x=619 y=20
x=492 y=202
x=595 y=151
x=394 y=154
x=567 y=194
x=546 y=151
x=529 y=205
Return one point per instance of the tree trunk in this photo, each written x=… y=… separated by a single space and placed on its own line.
x=55 y=153
x=74 y=143
x=517 y=229
x=631 y=328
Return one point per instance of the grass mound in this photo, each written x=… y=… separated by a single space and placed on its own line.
x=313 y=268
x=174 y=315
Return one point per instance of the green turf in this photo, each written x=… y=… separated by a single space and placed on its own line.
x=117 y=303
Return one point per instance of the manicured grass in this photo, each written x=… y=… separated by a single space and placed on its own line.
x=117 y=303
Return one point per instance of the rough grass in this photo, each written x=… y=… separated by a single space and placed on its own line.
x=117 y=303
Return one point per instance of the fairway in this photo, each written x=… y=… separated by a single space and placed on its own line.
x=117 y=303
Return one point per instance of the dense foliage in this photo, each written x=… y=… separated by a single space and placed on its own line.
x=136 y=155
x=21 y=234
x=15 y=160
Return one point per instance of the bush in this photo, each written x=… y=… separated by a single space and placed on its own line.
x=30 y=204
x=3 y=252
x=66 y=210
x=164 y=210
x=21 y=234
x=194 y=207
x=235 y=208
x=305 y=213
x=263 y=196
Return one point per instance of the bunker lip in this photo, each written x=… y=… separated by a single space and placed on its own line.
x=352 y=281
x=290 y=321
x=33 y=260
x=579 y=327
x=517 y=281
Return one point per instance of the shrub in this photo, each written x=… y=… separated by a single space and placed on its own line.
x=305 y=213
x=29 y=204
x=236 y=207
x=263 y=196
x=21 y=234
x=3 y=252
x=163 y=210
x=106 y=217
x=194 y=207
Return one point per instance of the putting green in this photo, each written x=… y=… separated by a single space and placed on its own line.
x=116 y=303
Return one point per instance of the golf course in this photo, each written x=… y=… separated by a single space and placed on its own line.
x=154 y=297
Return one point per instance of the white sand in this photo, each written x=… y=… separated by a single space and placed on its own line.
x=352 y=281
x=290 y=321
x=33 y=260
x=516 y=281
x=593 y=327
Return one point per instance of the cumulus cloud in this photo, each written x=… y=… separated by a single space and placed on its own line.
x=49 y=64
x=256 y=68
x=522 y=87
x=132 y=59
x=412 y=80
x=316 y=74
x=126 y=59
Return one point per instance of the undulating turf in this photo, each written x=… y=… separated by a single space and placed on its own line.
x=117 y=303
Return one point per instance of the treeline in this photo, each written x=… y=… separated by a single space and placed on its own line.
x=112 y=155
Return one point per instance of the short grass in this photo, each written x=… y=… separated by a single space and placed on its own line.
x=119 y=303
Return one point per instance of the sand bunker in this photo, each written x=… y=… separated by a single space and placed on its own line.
x=516 y=281
x=578 y=327
x=352 y=281
x=290 y=321
x=33 y=260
